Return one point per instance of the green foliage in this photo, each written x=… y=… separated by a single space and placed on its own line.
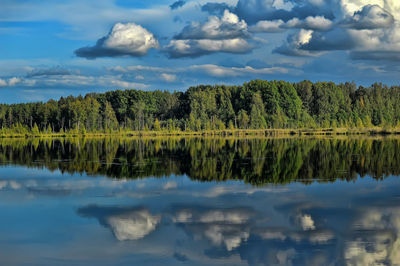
x=243 y=119
x=258 y=104
x=257 y=115
x=35 y=130
x=157 y=126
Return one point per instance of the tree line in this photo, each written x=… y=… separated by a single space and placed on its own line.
x=257 y=104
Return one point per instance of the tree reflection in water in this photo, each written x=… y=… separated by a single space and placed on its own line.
x=256 y=161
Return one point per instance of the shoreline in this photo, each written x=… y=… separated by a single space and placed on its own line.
x=218 y=133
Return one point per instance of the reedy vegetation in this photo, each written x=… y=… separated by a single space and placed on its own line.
x=257 y=104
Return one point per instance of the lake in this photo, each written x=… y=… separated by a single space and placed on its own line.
x=200 y=201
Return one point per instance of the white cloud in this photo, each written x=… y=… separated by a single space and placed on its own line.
x=196 y=48
x=310 y=23
x=304 y=37
x=170 y=185
x=124 y=84
x=3 y=83
x=282 y=4
x=228 y=235
x=222 y=227
x=127 y=39
x=3 y=184
x=138 y=68
x=294 y=43
x=380 y=240
x=349 y=7
x=317 y=23
x=110 y=81
x=369 y=30
x=168 y=77
x=370 y=17
x=272 y=234
x=131 y=39
x=220 y=71
x=209 y=69
x=218 y=191
x=226 y=34
x=227 y=27
x=13 y=81
x=285 y=257
x=133 y=225
x=224 y=216
x=306 y=222
x=271 y=26
x=14 y=185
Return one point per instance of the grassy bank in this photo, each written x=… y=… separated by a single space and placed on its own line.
x=232 y=132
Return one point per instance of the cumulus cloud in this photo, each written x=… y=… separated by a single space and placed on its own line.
x=294 y=44
x=14 y=185
x=378 y=239
x=222 y=227
x=317 y=23
x=322 y=236
x=196 y=48
x=313 y=43
x=310 y=23
x=368 y=30
x=125 y=223
x=12 y=82
x=370 y=17
x=285 y=257
x=177 y=4
x=133 y=225
x=306 y=222
x=226 y=34
x=271 y=26
x=127 y=39
x=227 y=27
x=231 y=236
x=3 y=83
x=3 y=184
x=338 y=39
x=349 y=7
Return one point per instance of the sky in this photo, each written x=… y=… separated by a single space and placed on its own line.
x=58 y=48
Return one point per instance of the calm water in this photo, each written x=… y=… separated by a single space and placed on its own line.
x=200 y=202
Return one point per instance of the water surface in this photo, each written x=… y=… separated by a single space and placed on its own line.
x=199 y=201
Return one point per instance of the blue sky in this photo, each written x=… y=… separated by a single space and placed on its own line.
x=52 y=48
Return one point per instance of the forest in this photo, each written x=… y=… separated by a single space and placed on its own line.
x=257 y=104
